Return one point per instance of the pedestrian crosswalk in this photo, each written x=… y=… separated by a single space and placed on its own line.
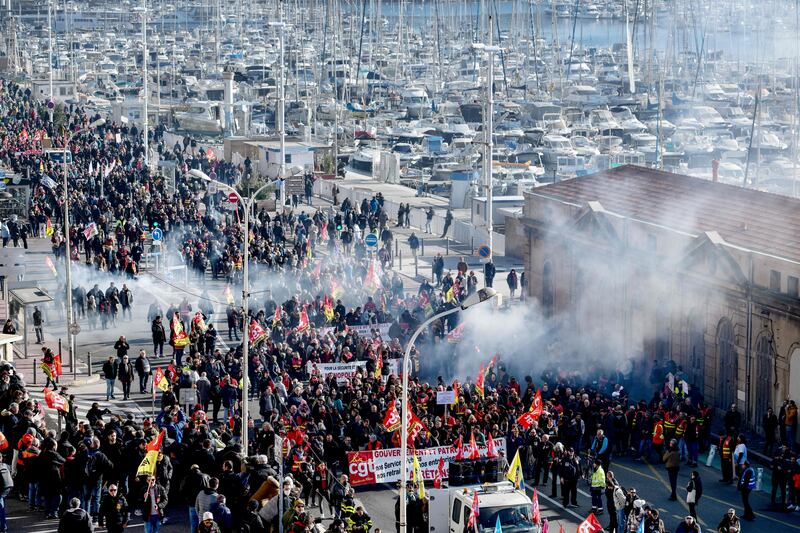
x=139 y=406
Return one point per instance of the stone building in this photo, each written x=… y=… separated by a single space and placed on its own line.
x=659 y=266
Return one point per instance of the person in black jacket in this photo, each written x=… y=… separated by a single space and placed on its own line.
x=50 y=463
x=192 y=484
x=95 y=468
x=75 y=519
x=122 y=347
x=251 y=521
x=569 y=472
x=125 y=375
x=110 y=375
x=114 y=513
x=154 y=502
x=159 y=337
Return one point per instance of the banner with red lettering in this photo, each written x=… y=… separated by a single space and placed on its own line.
x=383 y=466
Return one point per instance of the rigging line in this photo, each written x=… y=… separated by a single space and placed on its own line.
x=499 y=43
x=572 y=39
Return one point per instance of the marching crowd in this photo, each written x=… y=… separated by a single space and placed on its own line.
x=345 y=308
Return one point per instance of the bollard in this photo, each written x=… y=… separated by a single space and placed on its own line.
x=759 y=478
x=396 y=246
x=472 y=245
x=422 y=241
x=400 y=257
x=59 y=347
x=448 y=245
x=88 y=363
x=416 y=266
x=712 y=451
x=34 y=371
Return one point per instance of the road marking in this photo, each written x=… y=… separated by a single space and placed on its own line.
x=657 y=477
x=557 y=505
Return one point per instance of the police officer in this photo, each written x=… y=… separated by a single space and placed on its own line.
x=747 y=482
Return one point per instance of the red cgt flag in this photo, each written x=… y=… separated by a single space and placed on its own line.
x=527 y=419
x=392 y=419
x=475 y=512
x=537 y=515
x=590 y=525
x=54 y=401
x=474 y=452
x=490 y=450
x=536 y=407
x=459 y=446
x=155 y=444
x=439 y=474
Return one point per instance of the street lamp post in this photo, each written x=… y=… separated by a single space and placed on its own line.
x=247 y=203
x=280 y=118
x=481 y=296
x=68 y=255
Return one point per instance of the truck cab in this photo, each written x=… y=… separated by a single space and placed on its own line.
x=449 y=509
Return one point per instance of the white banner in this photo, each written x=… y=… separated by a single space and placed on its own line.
x=345 y=371
x=383 y=466
x=383 y=329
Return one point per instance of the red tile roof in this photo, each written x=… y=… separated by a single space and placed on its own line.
x=756 y=220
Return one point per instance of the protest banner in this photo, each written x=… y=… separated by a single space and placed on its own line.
x=383 y=466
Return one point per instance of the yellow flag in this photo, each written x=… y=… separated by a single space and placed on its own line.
x=148 y=465
x=418 y=478
x=515 y=471
x=449 y=295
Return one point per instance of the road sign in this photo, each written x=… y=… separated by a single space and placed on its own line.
x=57 y=156
x=50 y=104
x=74 y=328
x=233 y=198
x=371 y=240
x=157 y=234
x=212 y=188
x=484 y=251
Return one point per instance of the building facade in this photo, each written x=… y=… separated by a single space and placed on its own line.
x=657 y=266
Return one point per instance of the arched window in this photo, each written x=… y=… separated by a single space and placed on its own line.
x=763 y=377
x=548 y=290
x=728 y=365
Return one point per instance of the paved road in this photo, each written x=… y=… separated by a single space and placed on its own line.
x=649 y=480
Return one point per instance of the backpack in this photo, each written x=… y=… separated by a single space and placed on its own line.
x=90 y=468
x=6 y=481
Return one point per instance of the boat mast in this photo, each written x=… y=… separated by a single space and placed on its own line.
x=489 y=138
x=50 y=48
x=144 y=72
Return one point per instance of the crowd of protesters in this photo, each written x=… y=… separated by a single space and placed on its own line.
x=308 y=315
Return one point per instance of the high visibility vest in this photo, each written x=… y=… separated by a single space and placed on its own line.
x=669 y=424
x=725 y=449
x=751 y=483
x=598 y=478
x=3 y=442
x=681 y=429
x=347 y=507
x=658 y=433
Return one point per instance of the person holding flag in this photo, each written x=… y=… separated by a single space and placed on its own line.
x=515 y=474
x=417 y=477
